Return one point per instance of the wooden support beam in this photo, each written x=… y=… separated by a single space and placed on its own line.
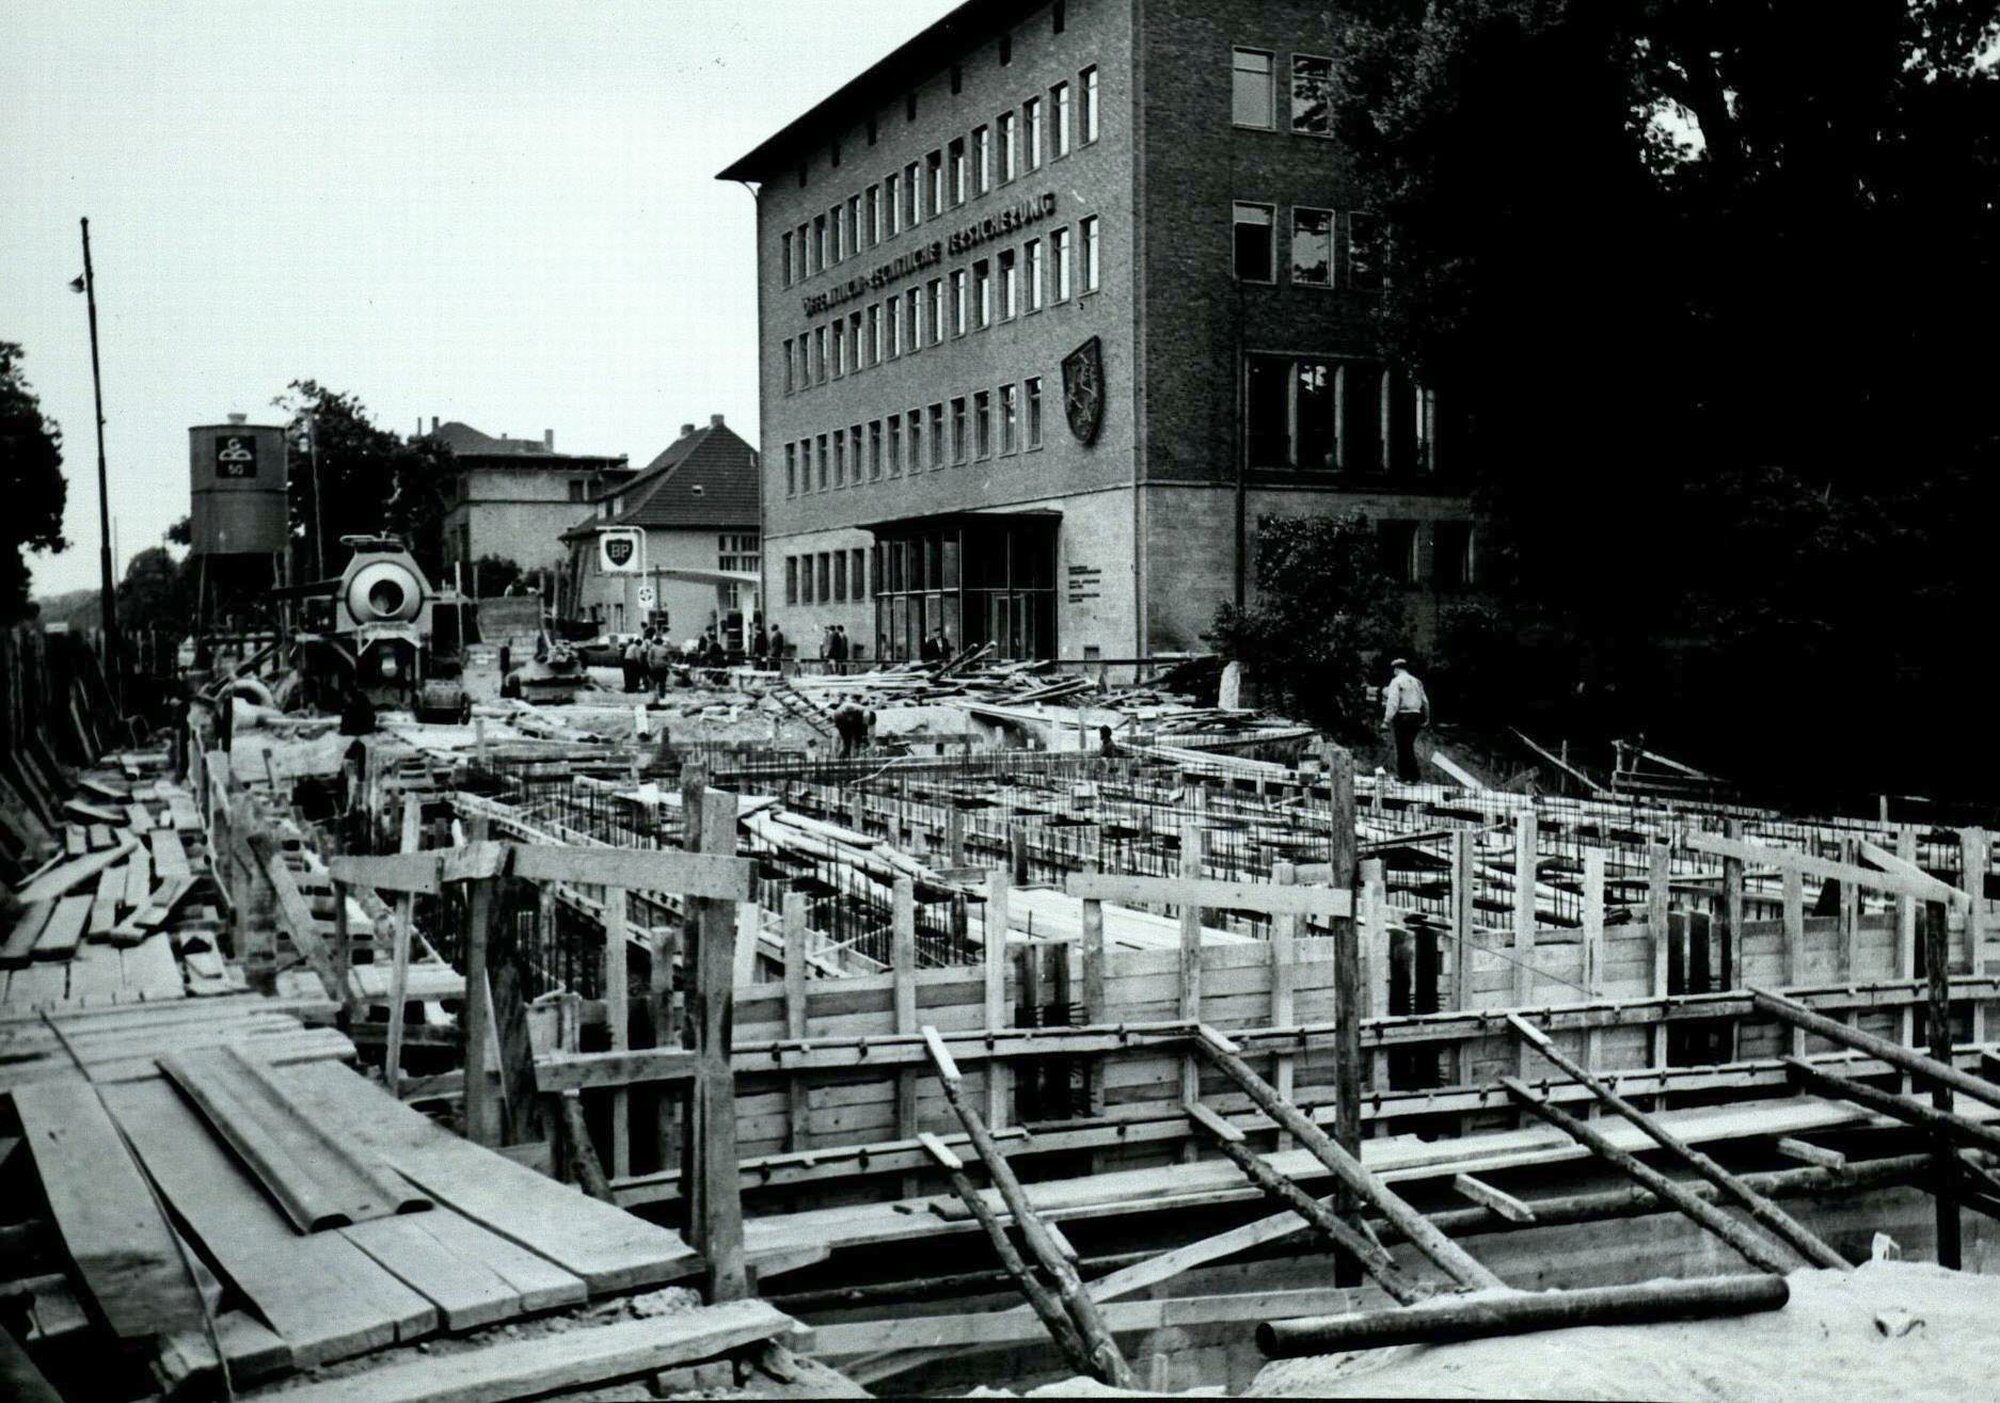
x=1928 y=1070
x=1753 y=1248
x=1946 y=1125
x=1044 y=1302
x=1284 y=977
x=1105 y=1361
x=1445 y=1322
x=798 y=1104
x=1191 y=890
x=585 y=1071
x=711 y=817
x=1189 y=983
x=1452 y=1259
x=1806 y=1152
x=999 y=1080
x=1486 y=1196
x=399 y=968
x=1526 y=835
x=1319 y=1214
x=1937 y=1026
x=1766 y=1213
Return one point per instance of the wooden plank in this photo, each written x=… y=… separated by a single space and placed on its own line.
x=110 y=1224
x=582 y=1071
x=60 y=937
x=466 y=1292
x=1808 y=865
x=1486 y=1196
x=557 y=1363
x=716 y=876
x=617 y=1019
x=999 y=1080
x=150 y=971
x=325 y=1297
x=1189 y=971
x=27 y=929
x=169 y=856
x=1526 y=835
x=608 y=1248
x=411 y=873
x=1324 y=903
x=539 y=1283
x=68 y=876
x=798 y=1112
x=711 y=833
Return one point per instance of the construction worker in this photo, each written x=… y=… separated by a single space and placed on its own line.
x=1405 y=711
x=778 y=647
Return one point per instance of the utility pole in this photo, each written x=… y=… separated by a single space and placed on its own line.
x=319 y=519
x=110 y=596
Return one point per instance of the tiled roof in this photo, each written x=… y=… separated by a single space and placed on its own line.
x=463 y=438
x=707 y=478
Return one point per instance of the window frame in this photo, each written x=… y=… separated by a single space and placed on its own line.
x=1292 y=96
x=1270 y=73
x=1031 y=429
x=1059 y=114
x=1270 y=227
x=1087 y=109
x=1090 y=253
x=1332 y=248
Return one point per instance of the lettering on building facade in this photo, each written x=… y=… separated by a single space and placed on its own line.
x=1016 y=216
x=1084 y=582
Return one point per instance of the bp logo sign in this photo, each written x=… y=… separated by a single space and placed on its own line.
x=618 y=551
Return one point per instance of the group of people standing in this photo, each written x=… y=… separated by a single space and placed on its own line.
x=835 y=649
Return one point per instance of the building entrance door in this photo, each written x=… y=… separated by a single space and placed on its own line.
x=976 y=579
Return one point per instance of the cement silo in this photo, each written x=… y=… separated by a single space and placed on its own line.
x=237 y=476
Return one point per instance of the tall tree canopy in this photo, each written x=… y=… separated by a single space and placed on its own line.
x=1705 y=283
x=368 y=480
x=31 y=483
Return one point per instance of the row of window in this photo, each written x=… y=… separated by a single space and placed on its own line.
x=1327 y=248
x=969 y=428
x=1057 y=16
x=739 y=552
x=827 y=577
x=1317 y=415
x=964 y=169
x=1013 y=283
x=1253 y=98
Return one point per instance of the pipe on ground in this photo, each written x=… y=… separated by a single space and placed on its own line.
x=1487 y=1315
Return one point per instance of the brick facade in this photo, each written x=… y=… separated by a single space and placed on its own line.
x=1157 y=515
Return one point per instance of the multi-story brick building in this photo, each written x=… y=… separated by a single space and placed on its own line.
x=1057 y=301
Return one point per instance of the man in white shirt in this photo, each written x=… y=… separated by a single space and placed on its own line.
x=1405 y=711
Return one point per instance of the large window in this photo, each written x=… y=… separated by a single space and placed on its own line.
x=1398 y=543
x=913 y=197
x=857 y=346
x=791 y=470
x=1033 y=388
x=819 y=242
x=1010 y=289
x=986 y=581
x=856 y=228
x=1088 y=228
x=937 y=311
x=1032 y=109
x=788 y=365
x=858 y=571
x=982 y=424
x=982 y=160
x=982 y=293
x=802 y=238
x=1290 y=413
x=958 y=430
x=840 y=457
x=892 y=202
x=805 y=465
x=738 y=552
x=785 y=242
x=1312 y=95
x=791 y=579
x=874 y=449
x=913 y=314
x=1034 y=275
x=1312 y=247
x=825 y=462
x=892 y=440
x=915 y=419
x=825 y=573
x=839 y=347
x=1059 y=116
x=1252 y=101
x=1087 y=114
x=1010 y=416
x=934 y=170
x=959 y=299
x=834 y=241
x=872 y=215
x=874 y=341
x=1059 y=251
x=1253 y=257
x=1010 y=146
x=937 y=435
x=957 y=161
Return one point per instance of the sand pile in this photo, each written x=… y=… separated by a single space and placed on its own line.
x=1889 y=1330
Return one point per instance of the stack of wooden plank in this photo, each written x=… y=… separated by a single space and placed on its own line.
x=432 y=1233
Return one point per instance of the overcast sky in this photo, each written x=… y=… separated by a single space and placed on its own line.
x=502 y=212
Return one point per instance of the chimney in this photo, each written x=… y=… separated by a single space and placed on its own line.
x=434 y=423
x=715 y=421
x=549 y=439
x=239 y=418
x=686 y=429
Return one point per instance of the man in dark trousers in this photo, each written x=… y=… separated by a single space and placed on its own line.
x=1405 y=711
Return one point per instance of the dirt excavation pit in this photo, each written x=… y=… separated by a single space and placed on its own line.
x=1888 y=1330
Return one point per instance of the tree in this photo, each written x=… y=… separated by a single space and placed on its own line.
x=1325 y=610
x=31 y=483
x=1694 y=278
x=369 y=481
x=495 y=575
x=156 y=593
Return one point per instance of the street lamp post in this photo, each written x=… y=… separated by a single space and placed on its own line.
x=109 y=591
